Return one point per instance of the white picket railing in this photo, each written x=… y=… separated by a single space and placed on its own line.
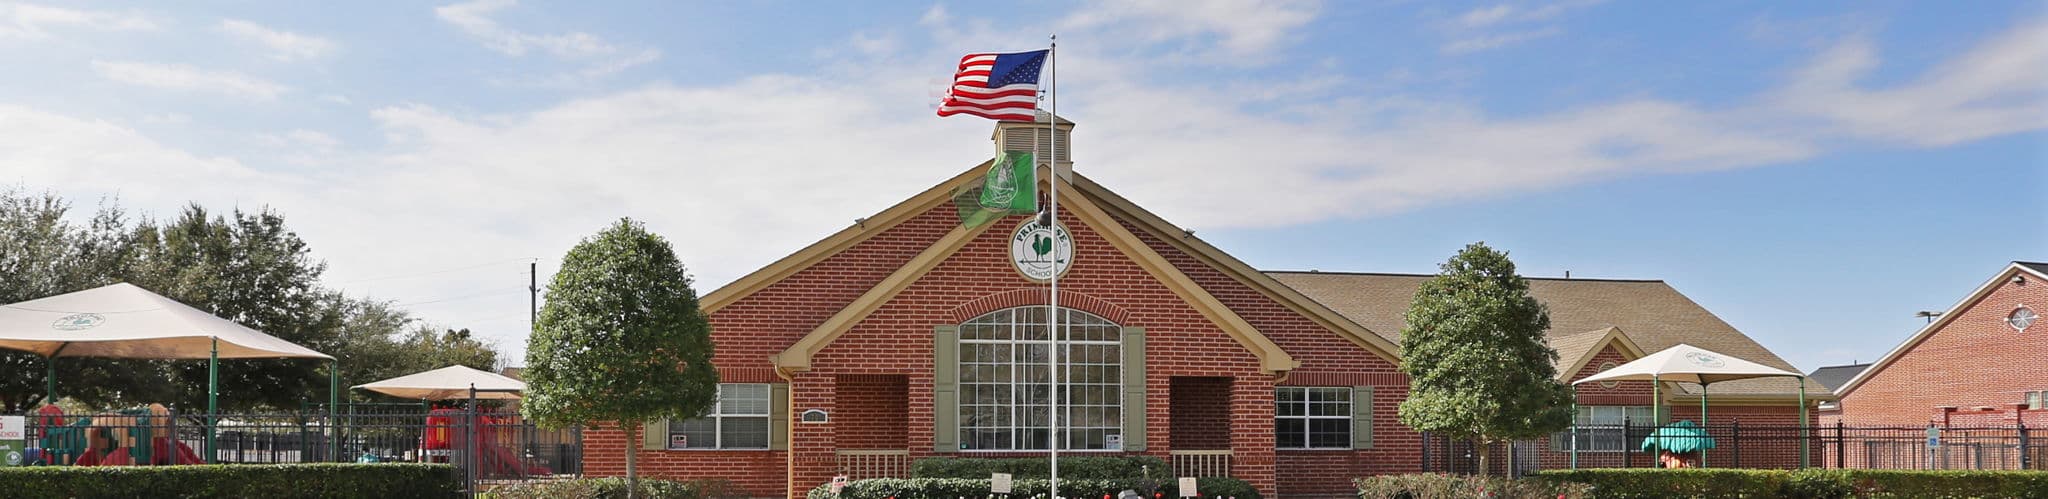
x=874 y=463
x=1200 y=463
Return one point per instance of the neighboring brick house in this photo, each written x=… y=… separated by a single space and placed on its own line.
x=1979 y=363
x=908 y=336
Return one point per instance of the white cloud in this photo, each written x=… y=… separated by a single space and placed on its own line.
x=188 y=78
x=24 y=20
x=283 y=45
x=1485 y=16
x=604 y=57
x=1995 y=89
x=1498 y=40
x=1237 y=28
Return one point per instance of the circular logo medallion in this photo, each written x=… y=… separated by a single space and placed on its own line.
x=1040 y=252
x=1705 y=360
x=75 y=322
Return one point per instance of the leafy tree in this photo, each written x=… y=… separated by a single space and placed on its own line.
x=1478 y=366
x=621 y=339
x=43 y=254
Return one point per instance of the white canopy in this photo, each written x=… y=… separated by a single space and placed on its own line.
x=1688 y=364
x=452 y=382
x=126 y=321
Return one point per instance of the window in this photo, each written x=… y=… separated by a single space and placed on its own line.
x=1604 y=367
x=2020 y=318
x=1600 y=427
x=738 y=421
x=1004 y=391
x=1312 y=418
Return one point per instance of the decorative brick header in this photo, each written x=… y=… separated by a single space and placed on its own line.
x=1038 y=296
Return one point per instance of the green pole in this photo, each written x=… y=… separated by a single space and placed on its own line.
x=334 y=400
x=1575 y=426
x=1656 y=400
x=1805 y=447
x=1703 y=421
x=212 y=398
x=50 y=380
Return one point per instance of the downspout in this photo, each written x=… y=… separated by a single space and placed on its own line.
x=788 y=434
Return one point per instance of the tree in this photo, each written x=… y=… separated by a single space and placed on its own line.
x=621 y=339
x=1478 y=366
x=43 y=254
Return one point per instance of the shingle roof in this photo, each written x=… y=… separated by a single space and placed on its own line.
x=2037 y=267
x=1649 y=312
x=1834 y=376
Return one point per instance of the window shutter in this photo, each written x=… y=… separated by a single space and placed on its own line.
x=1134 y=388
x=778 y=416
x=1361 y=417
x=946 y=389
x=654 y=435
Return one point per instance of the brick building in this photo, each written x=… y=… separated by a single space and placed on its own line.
x=1977 y=364
x=908 y=336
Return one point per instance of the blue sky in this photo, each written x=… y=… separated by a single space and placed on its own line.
x=1812 y=172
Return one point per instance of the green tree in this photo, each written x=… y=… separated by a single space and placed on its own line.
x=42 y=253
x=621 y=339
x=1478 y=366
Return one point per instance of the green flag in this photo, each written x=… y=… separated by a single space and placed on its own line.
x=1012 y=184
x=1010 y=188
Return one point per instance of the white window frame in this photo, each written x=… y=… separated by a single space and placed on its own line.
x=1308 y=417
x=1588 y=423
x=718 y=417
x=1071 y=323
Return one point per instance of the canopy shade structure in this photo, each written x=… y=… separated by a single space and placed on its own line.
x=452 y=382
x=1681 y=437
x=127 y=322
x=124 y=321
x=1690 y=364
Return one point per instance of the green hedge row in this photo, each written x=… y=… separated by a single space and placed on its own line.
x=615 y=488
x=1079 y=467
x=324 y=481
x=1812 y=483
x=954 y=488
x=1435 y=485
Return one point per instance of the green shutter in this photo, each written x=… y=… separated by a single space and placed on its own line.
x=1134 y=388
x=1361 y=417
x=946 y=389
x=778 y=416
x=654 y=435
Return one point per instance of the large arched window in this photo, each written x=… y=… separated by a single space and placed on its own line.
x=1004 y=389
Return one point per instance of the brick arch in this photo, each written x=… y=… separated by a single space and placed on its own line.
x=1038 y=296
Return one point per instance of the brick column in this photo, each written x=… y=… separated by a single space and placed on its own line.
x=1251 y=432
x=811 y=445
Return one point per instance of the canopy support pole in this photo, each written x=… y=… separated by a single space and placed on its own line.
x=334 y=400
x=50 y=377
x=1656 y=400
x=1575 y=426
x=1704 y=429
x=212 y=398
x=1805 y=447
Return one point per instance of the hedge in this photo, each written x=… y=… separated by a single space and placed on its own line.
x=1811 y=483
x=615 y=487
x=322 y=480
x=953 y=488
x=1079 y=467
x=1435 y=485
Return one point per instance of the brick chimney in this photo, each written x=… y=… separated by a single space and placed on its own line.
x=1027 y=136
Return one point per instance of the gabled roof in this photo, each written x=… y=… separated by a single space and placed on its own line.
x=1654 y=315
x=2037 y=270
x=1078 y=196
x=1575 y=350
x=1835 y=376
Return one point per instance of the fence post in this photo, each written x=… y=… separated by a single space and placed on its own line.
x=171 y=428
x=1425 y=452
x=2026 y=458
x=1841 y=445
x=1735 y=436
x=1628 y=452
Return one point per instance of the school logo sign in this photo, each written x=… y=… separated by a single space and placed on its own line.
x=1040 y=252
x=1705 y=360
x=78 y=322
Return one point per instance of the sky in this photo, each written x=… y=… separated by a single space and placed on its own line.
x=1812 y=172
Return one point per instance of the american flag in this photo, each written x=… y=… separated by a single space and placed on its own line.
x=996 y=86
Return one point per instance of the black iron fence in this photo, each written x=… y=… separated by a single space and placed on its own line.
x=1738 y=445
x=487 y=445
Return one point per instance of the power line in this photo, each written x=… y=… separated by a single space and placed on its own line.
x=442 y=271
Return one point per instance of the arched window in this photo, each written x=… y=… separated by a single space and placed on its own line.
x=1004 y=389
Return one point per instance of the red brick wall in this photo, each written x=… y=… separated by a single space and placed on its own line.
x=873 y=411
x=1201 y=413
x=1974 y=360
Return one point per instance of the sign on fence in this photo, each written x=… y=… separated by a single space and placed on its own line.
x=13 y=439
x=999 y=483
x=1187 y=487
x=1933 y=437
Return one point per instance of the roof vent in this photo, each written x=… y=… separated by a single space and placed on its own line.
x=1032 y=136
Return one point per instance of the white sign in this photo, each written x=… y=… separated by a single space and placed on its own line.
x=13 y=427
x=1113 y=442
x=999 y=483
x=838 y=484
x=1187 y=487
x=1040 y=253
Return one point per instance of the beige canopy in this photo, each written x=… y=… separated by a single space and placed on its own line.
x=1687 y=364
x=452 y=382
x=126 y=321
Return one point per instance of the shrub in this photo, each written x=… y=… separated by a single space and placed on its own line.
x=615 y=487
x=323 y=480
x=1080 y=468
x=1805 y=484
x=952 y=488
x=1432 y=485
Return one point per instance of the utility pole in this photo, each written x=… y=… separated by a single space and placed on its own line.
x=532 y=295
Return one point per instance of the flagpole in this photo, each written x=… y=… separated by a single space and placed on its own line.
x=1053 y=220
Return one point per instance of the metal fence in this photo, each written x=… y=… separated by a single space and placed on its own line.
x=485 y=445
x=1738 y=445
